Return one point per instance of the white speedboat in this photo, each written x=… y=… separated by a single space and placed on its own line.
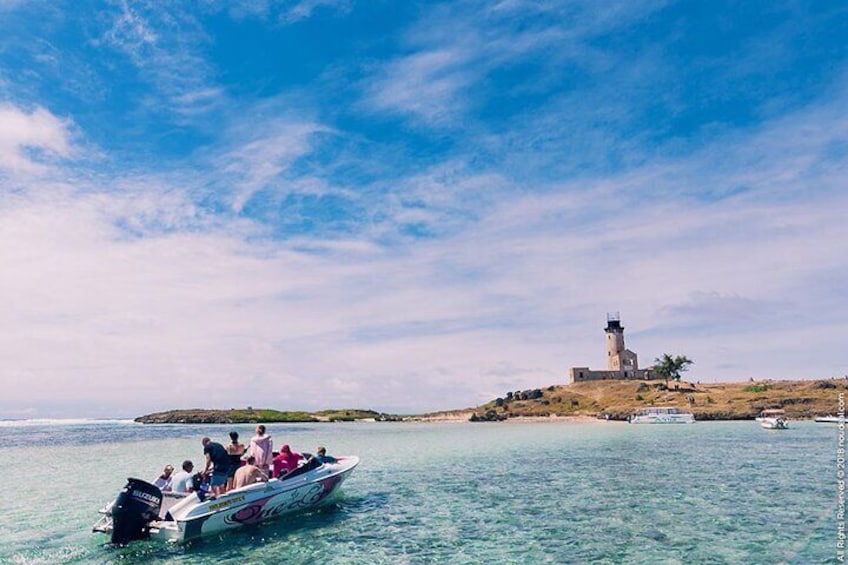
x=828 y=419
x=773 y=419
x=662 y=415
x=142 y=511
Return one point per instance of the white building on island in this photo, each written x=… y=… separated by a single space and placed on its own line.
x=621 y=362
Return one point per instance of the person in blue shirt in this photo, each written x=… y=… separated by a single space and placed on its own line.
x=322 y=457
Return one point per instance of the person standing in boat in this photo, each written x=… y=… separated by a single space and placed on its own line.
x=236 y=451
x=262 y=449
x=219 y=461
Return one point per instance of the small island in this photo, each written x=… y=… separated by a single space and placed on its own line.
x=252 y=415
x=616 y=400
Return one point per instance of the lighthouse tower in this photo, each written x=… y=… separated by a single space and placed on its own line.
x=619 y=358
x=615 y=341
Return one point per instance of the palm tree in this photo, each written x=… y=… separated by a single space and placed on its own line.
x=670 y=367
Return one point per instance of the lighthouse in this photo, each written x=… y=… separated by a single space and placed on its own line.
x=619 y=358
x=621 y=362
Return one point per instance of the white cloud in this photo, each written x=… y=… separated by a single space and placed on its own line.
x=265 y=154
x=425 y=84
x=30 y=140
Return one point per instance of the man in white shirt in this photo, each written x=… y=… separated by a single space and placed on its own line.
x=181 y=481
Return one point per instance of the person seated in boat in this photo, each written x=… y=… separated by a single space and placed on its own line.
x=181 y=482
x=322 y=457
x=262 y=449
x=163 y=481
x=248 y=474
x=286 y=461
x=218 y=461
x=236 y=451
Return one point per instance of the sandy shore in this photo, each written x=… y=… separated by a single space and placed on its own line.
x=465 y=416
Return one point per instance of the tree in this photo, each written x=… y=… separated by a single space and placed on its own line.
x=670 y=367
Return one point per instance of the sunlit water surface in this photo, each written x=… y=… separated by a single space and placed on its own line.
x=454 y=493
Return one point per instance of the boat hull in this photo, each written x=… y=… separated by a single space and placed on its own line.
x=676 y=419
x=773 y=423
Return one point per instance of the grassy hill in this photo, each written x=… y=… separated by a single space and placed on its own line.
x=714 y=401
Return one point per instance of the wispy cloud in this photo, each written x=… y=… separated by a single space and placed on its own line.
x=29 y=140
x=284 y=11
x=426 y=84
x=455 y=50
x=264 y=156
x=164 y=45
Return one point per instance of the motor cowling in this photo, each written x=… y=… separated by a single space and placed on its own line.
x=137 y=505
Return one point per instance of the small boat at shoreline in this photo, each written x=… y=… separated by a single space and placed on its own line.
x=661 y=415
x=828 y=419
x=773 y=419
x=142 y=511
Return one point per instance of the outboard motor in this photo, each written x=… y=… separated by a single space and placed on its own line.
x=136 y=506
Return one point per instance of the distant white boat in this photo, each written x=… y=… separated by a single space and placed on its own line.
x=662 y=415
x=828 y=419
x=773 y=420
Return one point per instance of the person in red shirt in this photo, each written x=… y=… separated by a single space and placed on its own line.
x=286 y=461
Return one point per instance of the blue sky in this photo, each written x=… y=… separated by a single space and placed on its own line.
x=412 y=206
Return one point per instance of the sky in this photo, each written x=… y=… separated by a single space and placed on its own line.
x=412 y=206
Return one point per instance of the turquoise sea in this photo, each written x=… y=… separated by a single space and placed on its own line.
x=722 y=492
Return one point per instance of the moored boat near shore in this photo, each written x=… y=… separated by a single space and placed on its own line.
x=662 y=415
x=773 y=419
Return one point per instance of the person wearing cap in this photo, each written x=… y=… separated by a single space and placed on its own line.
x=163 y=481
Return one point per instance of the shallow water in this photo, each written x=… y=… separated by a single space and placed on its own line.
x=713 y=492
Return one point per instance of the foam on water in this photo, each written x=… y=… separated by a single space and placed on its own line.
x=460 y=493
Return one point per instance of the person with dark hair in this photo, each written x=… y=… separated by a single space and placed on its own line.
x=219 y=461
x=181 y=481
x=236 y=451
x=249 y=474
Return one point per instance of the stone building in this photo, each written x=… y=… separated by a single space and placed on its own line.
x=621 y=362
